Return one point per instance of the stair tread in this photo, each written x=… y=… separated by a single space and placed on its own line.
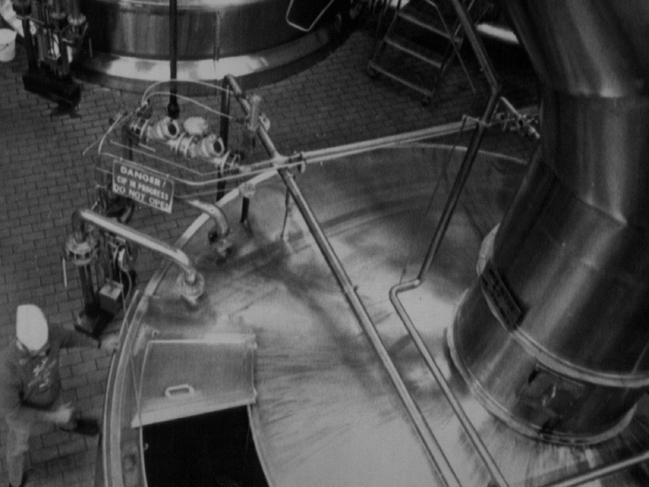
x=423 y=24
x=423 y=15
x=400 y=79
x=415 y=50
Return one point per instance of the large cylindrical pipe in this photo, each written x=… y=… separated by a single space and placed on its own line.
x=553 y=336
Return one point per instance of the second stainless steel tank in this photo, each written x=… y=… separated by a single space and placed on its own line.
x=553 y=336
x=131 y=38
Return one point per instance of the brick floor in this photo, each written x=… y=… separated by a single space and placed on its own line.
x=45 y=177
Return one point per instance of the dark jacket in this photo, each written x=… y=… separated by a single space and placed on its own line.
x=29 y=384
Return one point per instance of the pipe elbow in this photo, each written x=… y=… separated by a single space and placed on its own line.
x=221 y=224
x=78 y=226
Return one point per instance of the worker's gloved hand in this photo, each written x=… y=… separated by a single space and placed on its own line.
x=63 y=414
x=109 y=343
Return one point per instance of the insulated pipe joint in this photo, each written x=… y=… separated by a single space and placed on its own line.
x=218 y=235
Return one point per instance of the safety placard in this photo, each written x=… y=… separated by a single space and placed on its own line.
x=143 y=185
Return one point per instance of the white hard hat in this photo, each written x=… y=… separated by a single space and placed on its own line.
x=31 y=327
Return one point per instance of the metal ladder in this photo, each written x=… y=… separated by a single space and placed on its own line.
x=414 y=25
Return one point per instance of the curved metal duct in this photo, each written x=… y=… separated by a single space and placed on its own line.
x=553 y=336
x=130 y=39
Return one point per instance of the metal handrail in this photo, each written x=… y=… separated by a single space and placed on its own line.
x=111 y=457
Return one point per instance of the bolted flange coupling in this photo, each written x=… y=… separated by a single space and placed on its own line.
x=191 y=287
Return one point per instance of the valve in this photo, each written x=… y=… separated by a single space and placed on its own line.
x=191 y=291
x=138 y=127
x=81 y=249
x=209 y=147
x=104 y=264
x=513 y=120
x=166 y=128
x=221 y=245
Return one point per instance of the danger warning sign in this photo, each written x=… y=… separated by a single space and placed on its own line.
x=143 y=185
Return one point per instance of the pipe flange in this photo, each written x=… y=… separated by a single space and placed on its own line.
x=191 y=292
x=77 y=20
x=247 y=189
x=139 y=127
x=221 y=245
x=81 y=252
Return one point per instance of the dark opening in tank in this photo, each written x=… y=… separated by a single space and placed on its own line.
x=215 y=450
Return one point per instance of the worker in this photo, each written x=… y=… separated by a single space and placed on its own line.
x=30 y=384
x=9 y=16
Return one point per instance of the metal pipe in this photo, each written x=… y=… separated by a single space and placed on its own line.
x=224 y=119
x=245 y=104
x=438 y=236
x=600 y=472
x=319 y=155
x=174 y=254
x=434 y=368
x=495 y=31
x=437 y=456
x=224 y=128
x=215 y=212
x=172 y=109
x=329 y=153
x=458 y=186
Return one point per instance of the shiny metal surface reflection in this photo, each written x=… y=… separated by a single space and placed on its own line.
x=326 y=413
x=563 y=301
x=130 y=40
